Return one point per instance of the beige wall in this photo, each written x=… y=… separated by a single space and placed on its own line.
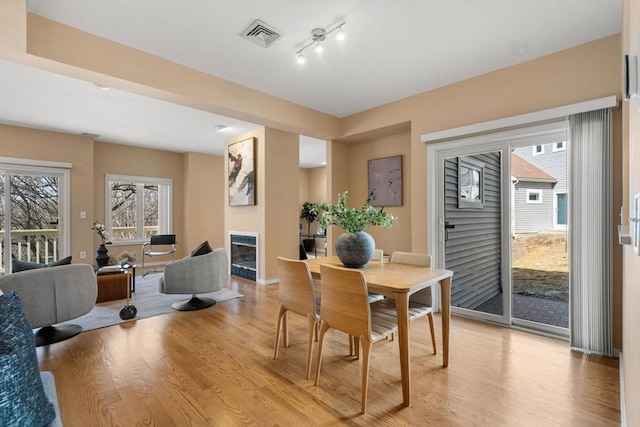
x=275 y=216
x=24 y=143
x=282 y=211
x=631 y=261
x=126 y=160
x=204 y=194
x=397 y=238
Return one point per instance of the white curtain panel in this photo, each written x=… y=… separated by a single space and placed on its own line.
x=590 y=236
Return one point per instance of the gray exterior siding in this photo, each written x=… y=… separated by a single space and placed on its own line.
x=552 y=162
x=533 y=217
x=472 y=249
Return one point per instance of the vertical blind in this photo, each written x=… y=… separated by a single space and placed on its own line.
x=590 y=216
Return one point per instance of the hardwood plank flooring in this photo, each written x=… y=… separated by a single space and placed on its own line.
x=214 y=367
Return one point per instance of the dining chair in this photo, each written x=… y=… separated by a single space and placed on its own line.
x=296 y=293
x=420 y=303
x=378 y=255
x=158 y=245
x=344 y=306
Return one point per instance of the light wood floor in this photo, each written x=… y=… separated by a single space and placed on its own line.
x=215 y=367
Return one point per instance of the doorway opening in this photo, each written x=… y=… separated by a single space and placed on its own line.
x=33 y=214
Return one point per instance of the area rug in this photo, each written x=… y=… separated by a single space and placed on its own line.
x=147 y=300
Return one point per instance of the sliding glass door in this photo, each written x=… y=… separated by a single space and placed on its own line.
x=501 y=225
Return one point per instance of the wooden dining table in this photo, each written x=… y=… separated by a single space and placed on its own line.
x=399 y=281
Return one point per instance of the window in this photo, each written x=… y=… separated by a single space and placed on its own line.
x=137 y=207
x=470 y=183
x=538 y=149
x=534 y=196
x=559 y=146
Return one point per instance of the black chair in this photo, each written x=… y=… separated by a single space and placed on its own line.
x=158 y=245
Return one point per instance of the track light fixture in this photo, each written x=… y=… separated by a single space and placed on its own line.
x=318 y=36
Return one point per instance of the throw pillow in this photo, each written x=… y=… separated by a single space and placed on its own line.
x=18 y=265
x=22 y=398
x=202 y=249
x=62 y=261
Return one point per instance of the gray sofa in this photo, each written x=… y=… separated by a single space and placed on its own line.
x=53 y=295
x=196 y=275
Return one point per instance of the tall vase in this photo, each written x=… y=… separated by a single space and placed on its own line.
x=355 y=249
x=102 y=258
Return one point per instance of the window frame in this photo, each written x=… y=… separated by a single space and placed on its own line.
x=536 y=153
x=534 y=191
x=165 y=206
x=475 y=165
x=555 y=148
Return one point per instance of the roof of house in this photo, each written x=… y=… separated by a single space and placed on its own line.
x=525 y=171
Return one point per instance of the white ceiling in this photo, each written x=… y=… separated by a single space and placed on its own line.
x=393 y=49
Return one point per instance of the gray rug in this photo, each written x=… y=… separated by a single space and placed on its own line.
x=147 y=300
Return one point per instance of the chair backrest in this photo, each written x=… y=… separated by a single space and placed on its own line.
x=423 y=260
x=295 y=290
x=344 y=304
x=377 y=255
x=162 y=239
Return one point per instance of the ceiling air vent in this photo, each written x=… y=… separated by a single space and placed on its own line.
x=261 y=34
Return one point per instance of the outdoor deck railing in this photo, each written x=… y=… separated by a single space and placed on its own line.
x=41 y=246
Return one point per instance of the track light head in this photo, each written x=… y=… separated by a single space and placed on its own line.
x=319 y=35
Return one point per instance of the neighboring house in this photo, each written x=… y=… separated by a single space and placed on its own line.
x=539 y=190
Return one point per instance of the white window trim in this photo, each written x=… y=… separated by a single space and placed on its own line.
x=563 y=148
x=538 y=192
x=165 y=203
x=535 y=152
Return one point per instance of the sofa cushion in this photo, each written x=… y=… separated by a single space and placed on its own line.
x=22 y=400
x=18 y=265
x=202 y=249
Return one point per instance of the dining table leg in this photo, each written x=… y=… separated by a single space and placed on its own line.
x=402 y=309
x=445 y=291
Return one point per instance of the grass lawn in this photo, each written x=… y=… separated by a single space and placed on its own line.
x=540 y=265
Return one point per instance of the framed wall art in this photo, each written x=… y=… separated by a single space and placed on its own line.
x=385 y=180
x=241 y=167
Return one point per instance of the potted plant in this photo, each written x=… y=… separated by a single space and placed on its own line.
x=309 y=213
x=355 y=246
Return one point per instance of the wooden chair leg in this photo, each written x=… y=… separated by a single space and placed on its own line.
x=366 y=352
x=312 y=327
x=281 y=311
x=433 y=333
x=323 y=330
x=285 y=328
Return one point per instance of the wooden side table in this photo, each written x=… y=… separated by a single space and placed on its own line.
x=113 y=286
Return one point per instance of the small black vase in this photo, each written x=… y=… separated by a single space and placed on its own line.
x=102 y=258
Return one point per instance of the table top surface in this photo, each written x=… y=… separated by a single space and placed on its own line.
x=387 y=276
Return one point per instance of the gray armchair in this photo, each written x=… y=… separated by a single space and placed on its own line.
x=196 y=275
x=53 y=295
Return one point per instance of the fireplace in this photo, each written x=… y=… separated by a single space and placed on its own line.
x=244 y=254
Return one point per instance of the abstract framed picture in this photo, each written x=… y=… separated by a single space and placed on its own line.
x=385 y=181
x=241 y=167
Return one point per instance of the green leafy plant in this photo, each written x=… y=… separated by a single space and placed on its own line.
x=353 y=220
x=309 y=213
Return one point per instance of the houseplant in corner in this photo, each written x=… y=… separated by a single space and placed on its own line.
x=309 y=213
x=355 y=246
